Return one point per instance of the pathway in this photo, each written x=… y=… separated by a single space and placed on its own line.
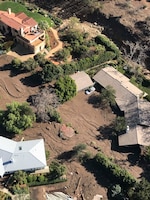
x=58 y=47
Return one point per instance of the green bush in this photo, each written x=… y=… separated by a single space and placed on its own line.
x=102 y=39
x=50 y=72
x=16 y=64
x=17 y=117
x=29 y=65
x=65 y=88
x=40 y=58
x=54 y=116
x=56 y=170
x=120 y=174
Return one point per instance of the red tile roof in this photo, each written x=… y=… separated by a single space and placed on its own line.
x=17 y=21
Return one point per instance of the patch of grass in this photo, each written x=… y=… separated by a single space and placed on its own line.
x=17 y=7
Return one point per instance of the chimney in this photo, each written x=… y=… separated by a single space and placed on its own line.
x=22 y=32
x=9 y=11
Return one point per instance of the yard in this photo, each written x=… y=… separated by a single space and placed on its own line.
x=17 y=7
x=85 y=118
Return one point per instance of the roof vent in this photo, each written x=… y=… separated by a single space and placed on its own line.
x=20 y=148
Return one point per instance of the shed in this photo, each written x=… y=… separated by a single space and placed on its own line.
x=82 y=80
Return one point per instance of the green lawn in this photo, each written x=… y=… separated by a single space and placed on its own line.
x=17 y=7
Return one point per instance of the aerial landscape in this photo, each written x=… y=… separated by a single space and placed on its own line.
x=74 y=100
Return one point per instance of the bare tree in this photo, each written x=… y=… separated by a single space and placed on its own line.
x=45 y=101
x=135 y=52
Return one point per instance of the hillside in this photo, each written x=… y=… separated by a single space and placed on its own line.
x=122 y=20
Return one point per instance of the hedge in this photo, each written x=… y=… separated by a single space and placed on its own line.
x=114 y=170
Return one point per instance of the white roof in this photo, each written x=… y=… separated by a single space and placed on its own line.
x=82 y=80
x=23 y=155
x=2 y=171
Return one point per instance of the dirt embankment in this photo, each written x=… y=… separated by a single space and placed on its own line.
x=122 y=20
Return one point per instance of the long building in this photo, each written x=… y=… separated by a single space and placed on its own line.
x=130 y=100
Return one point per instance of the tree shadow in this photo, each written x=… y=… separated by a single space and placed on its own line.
x=33 y=80
x=134 y=157
x=100 y=175
x=6 y=67
x=106 y=132
x=134 y=151
x=5 y=133
x=94 y=100
x=66 y=156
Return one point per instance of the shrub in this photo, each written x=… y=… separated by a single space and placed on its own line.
x=79 y=148
x=54 y=116
x=50 y=72
x=29 y=65
x=56 y=169
x=17 y=117
x=120 y=174
x=102 y=39
x=16 y=63
x=65 y=88
x=40 y=58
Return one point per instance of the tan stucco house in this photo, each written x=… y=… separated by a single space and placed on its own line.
x=24 y=29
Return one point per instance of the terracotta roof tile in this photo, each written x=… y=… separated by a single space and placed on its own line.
x=17 y=21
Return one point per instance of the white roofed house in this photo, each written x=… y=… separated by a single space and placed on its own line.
x=22 y=155
x=130 y=100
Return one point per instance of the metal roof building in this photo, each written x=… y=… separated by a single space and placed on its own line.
x=22 y=155
x=82 y=80
x=129 y=99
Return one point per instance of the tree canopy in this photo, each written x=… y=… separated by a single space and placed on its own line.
x=108 y=96
x=65 y=88
x=141 y=191
x=17 y=117
x=44 y=25
x=50 y=72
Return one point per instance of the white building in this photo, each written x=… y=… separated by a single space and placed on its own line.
x=22 y=155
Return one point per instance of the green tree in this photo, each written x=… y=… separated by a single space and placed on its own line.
x=79 y=148
x=140 y=191
x=50 y=72
x=16 y=63
x=44 y=25
x=29 y=65
x=56 y=169
x=65 y=88
x=115 y=193
x=40 y=58
x=146 y=154
x=120 y=124
x=108 y=96
x=20 y=177
x=63 y=54
x=17 y=117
